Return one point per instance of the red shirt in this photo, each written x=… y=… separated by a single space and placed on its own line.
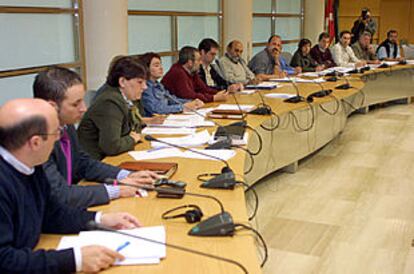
x=184 y=85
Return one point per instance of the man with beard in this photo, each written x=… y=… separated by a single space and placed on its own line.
x=389 y=50
x=269 y=63
x=183 y=80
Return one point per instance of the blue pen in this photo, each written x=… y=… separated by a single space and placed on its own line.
x=122 y=246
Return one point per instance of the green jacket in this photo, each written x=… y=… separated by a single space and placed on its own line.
x=105 y=127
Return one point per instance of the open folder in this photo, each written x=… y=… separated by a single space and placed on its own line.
x=134 y=250
x=166 y=169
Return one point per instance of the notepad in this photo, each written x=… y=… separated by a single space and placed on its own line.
x=135 y=252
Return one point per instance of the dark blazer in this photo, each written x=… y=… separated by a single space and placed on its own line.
x=219 y=82
x=105 y=127
x=83 y=167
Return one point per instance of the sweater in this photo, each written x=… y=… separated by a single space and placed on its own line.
x=187 y=86
x=26 y=210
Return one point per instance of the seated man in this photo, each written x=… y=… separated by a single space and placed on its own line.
x=321 y=53
x=182 y=79
x=342 y=53
x=269 y=63
x=29 y=129
x=209 y=72
x=389 y=49
x=112 y=124
x=302 y=58
x=364 y=50
x=68 y=163
x=156 y=99
x=234 y=67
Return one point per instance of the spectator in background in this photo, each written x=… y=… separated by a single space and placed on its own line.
x=321 y=53
x=302 y=58
x=364 y=23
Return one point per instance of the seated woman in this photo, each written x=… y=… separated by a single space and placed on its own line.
x=302 y=58
x=156 y=99
x=112 y=123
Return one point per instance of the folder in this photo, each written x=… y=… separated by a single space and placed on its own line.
x=165 y=169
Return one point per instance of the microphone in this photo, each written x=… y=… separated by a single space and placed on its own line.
x=225 y=180
x=92 y=225
x=296 y=99
x=319 y=94
x=220 y=224
x=345 y=86
x=263 y=108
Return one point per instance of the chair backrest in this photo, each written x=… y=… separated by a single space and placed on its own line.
x=287 y=56
x=408 y=51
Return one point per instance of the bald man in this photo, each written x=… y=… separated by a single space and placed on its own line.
x=233 y=65
x=29 y=129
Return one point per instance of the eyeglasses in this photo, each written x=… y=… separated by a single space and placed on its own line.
x=59 y=132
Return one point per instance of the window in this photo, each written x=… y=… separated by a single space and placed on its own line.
x=166 y=26
x=38 y=34
x=281 y=17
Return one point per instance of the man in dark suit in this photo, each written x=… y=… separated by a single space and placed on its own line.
x=209 y=71
x=28 y=130
x=68 y=163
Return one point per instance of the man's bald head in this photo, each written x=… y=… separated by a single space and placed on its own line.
x=235 y=48
x=20 y=119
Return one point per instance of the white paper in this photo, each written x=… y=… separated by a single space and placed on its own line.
x=186 y=120
x=410 y=62
x=298 y=80
x=136 y=252
x=247 y=91
x=279 y=95
x=224 y=154
x=391 y=63
x=167 y=130
x=245 y=108
x=266 y=85
x=192 y=140
x=155 y=154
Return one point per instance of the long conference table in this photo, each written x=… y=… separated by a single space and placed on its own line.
x=302 y=129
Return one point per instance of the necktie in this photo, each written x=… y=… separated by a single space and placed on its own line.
x=65 y=145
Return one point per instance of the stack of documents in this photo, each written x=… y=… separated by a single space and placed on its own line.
x=244 y=108
x=134 y=250
x=263 y=85
x=159 y=153
x=298 y=80
x=193 y=140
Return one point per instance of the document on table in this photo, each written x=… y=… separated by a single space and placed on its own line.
x=247 y=91
x=279 y=95
x=159 y=153
x=263 y=85
x=167 y=130
x=244 y=108
x=298 y=80
x=135 y=251
x=186 y=120
x=193 y=140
